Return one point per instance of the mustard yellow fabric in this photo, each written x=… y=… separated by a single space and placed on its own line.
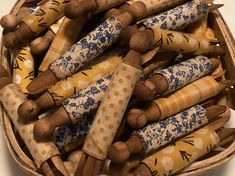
x=46 y=15
x=63 y=89
x=183 y=152
x=23 y=68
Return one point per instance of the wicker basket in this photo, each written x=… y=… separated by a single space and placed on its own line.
x=222 y=33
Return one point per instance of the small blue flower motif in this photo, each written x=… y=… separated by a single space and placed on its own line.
x=164 y=25
x=94 y=90
x=103 y=87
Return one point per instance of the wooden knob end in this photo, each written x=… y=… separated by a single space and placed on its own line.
x=112 y=12
x=73 y=9
x=3 y=72
x=39 y=45
x=28 y=110
x=141 y=41
x=136 y=118
x=42 y=82
x=9 y=22
x=145 y=90
x=119 y=152
x=10 y=40
x=42 y=129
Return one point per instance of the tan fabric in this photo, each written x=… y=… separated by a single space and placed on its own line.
x=185 y=151
x=180 y=42
x=103 y=5
x=154 y=6
x=23 y=68
x=11 y=97
x=46 y=15
x=111 y=111
x=65 y=88
x=56 y=26
x=187 y=96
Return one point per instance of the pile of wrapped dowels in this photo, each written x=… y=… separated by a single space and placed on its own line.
x=121 y=87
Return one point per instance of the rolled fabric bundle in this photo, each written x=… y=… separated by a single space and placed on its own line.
x=175 y=77
x=41 y=44
x=36 y=23
x=163 y=107
x=77 y=110
x=153 y=6
x=65 y=38
x=156 y=135
x=179 y=155
x=63 y=89
x=80 y=54
x=114 y=103
x=11 y=97
x=174 y=41
x=23 y=68
x=178 y=17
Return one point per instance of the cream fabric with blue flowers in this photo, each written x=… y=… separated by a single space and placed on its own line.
x=179 y=17
x=161 y=133
x=181 y=74
x=88 y=48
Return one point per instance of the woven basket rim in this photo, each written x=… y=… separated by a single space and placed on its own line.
x=194 y=169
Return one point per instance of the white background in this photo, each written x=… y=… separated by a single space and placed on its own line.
x=7 y=164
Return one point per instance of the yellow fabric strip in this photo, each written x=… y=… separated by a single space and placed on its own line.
x=46 y=15
x=63 y=89
x=185 y=151
x=187 y=96
x=180 y=42
x=23 y=68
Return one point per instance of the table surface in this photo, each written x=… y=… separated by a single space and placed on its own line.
x=8 y=166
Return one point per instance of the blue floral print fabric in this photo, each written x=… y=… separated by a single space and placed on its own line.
x=81 y=104
x=179 y=17
x=88 y=48
x=158 y=134
x=186 y=72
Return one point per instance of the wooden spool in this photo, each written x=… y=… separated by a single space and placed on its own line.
x=222 y=33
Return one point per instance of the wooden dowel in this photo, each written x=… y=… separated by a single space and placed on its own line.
x=41 y=44
x=144 y=169
x=121 y=151
x=45 y=127
x=157 y=85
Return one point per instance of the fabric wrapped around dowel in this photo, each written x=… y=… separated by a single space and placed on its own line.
x=11 y=97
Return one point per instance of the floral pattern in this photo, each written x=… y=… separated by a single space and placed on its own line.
x=186 y=72
x=66 y=134
x=81 y=104
x=88 y=48
x=180 y=154
x=158 y=134
x=23 y=68
x=179 y=17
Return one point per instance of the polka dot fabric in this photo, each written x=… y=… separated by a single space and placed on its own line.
x=154 y=6
x=182 y=153
x=11 y=97
x=111 y=111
